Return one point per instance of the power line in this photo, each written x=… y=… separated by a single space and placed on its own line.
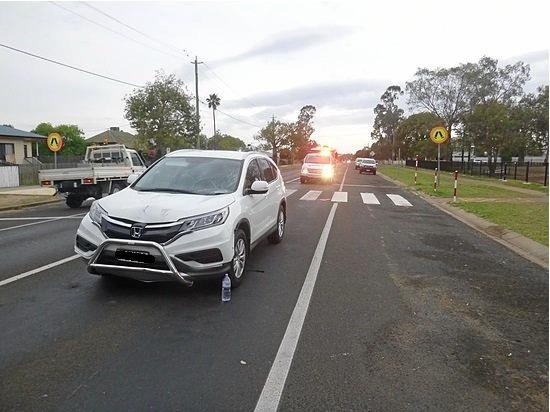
x=136 y=30
x=112 y=31
x=231 y=116
x=69 y=66
x=239 y=97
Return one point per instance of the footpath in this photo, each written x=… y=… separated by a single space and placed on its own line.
x=26 y=196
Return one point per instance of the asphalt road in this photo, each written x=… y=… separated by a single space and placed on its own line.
x=409 y=310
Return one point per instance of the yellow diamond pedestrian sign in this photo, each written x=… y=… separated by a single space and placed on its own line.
x=439 y=134
x=54 y=141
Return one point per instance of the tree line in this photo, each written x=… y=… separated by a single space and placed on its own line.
x=482 y=105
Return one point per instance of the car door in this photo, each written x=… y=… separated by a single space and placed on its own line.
x=254 y=205
x=273 y=195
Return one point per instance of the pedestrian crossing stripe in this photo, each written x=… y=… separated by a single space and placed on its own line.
x=342 y=197
x=369 y=199
x=311 y=195
x=398 y=200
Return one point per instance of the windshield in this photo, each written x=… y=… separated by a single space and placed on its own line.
x=193 y=175
x=317 y=159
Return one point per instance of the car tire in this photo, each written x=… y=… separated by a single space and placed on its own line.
x=75 y=200
x=374 y=173
x=278 y=234
x=240 y=258
x=303 y=180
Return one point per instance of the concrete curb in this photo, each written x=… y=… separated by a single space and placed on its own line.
x=523 y=246
x=43 y=202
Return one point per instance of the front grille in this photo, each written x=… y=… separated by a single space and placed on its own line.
x=84 y=245
x=159 y=235
x=202 y=256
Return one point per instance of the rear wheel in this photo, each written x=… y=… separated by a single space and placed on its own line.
x=240 y=258
x=278 y=234
x=74 y=200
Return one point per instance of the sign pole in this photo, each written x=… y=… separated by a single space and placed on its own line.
x=55 y=160
x=438 y=163
x=416 y=169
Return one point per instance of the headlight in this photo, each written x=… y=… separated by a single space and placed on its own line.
x=205 y=221
x=304 y=170
x=97 y=212
x=328 y=171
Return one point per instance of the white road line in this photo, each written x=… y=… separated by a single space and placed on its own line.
x=293 y=180
x=38 y=270
x=343 y=179
x=43 y=221
x=339 y=197
x=369 y=199
x=275 y=383
x=399 y=200
x=290 y=191
x=311 y=195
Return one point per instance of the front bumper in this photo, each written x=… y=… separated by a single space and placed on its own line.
x=367 y=169
x=176 y=261
x=315 y=175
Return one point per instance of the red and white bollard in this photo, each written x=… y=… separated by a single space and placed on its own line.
x=435 y=180
x=416 y=170
x=456 y=185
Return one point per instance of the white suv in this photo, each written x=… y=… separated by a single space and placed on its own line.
x=193 y=214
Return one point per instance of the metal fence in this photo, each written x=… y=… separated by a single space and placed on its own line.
x=526 y=171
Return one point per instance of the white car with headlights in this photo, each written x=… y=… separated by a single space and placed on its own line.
x=317 y=166
x=192 y=215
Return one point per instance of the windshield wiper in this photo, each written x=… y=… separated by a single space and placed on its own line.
x=166 y=190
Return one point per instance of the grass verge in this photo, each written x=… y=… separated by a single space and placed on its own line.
x=524 y=212
x=530 y=220
x=14 y=201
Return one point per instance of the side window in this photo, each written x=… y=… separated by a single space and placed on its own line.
x=252 y=174
x=274 y=169
x=267 y=172
x=136 y=161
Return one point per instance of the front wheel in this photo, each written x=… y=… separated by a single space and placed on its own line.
x=303 y=180
x=240 y=258
x=278 y=234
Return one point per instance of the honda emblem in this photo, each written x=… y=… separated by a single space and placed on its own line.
x=136 y=231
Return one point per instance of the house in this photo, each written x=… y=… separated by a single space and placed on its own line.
x=17 y=145
x=114 y=135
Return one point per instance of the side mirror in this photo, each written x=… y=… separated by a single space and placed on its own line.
x=259 y=187
x=132 y=178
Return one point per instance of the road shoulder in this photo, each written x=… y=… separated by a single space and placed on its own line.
x=523 y=246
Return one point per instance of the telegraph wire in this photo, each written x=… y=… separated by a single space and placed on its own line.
x=136 y=30
x=69 y=66
x=113 y=31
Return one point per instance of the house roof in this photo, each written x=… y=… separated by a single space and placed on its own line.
x=7 y=131
x=114 y=136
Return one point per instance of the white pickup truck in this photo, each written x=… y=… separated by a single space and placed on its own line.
x=104 y=170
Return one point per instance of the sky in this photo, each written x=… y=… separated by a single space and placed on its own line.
x=263 y=58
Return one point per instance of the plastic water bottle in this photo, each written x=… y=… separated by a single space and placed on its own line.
x=226 y=288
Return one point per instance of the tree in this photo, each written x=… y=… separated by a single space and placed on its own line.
x=273 y=136
x=299 y=133
x=413 y=135
x=213 y=102
x=533 y=113
x=388 y=116
x=225 y=142
x=73 y=139
x=492 y=127
x=162 y=114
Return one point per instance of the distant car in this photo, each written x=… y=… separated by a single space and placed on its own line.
x=367 y=165
x=357 y=162
x=317 y=167
x=194 y=214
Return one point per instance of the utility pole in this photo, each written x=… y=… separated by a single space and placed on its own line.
x=197 y=115
x=274 y=154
